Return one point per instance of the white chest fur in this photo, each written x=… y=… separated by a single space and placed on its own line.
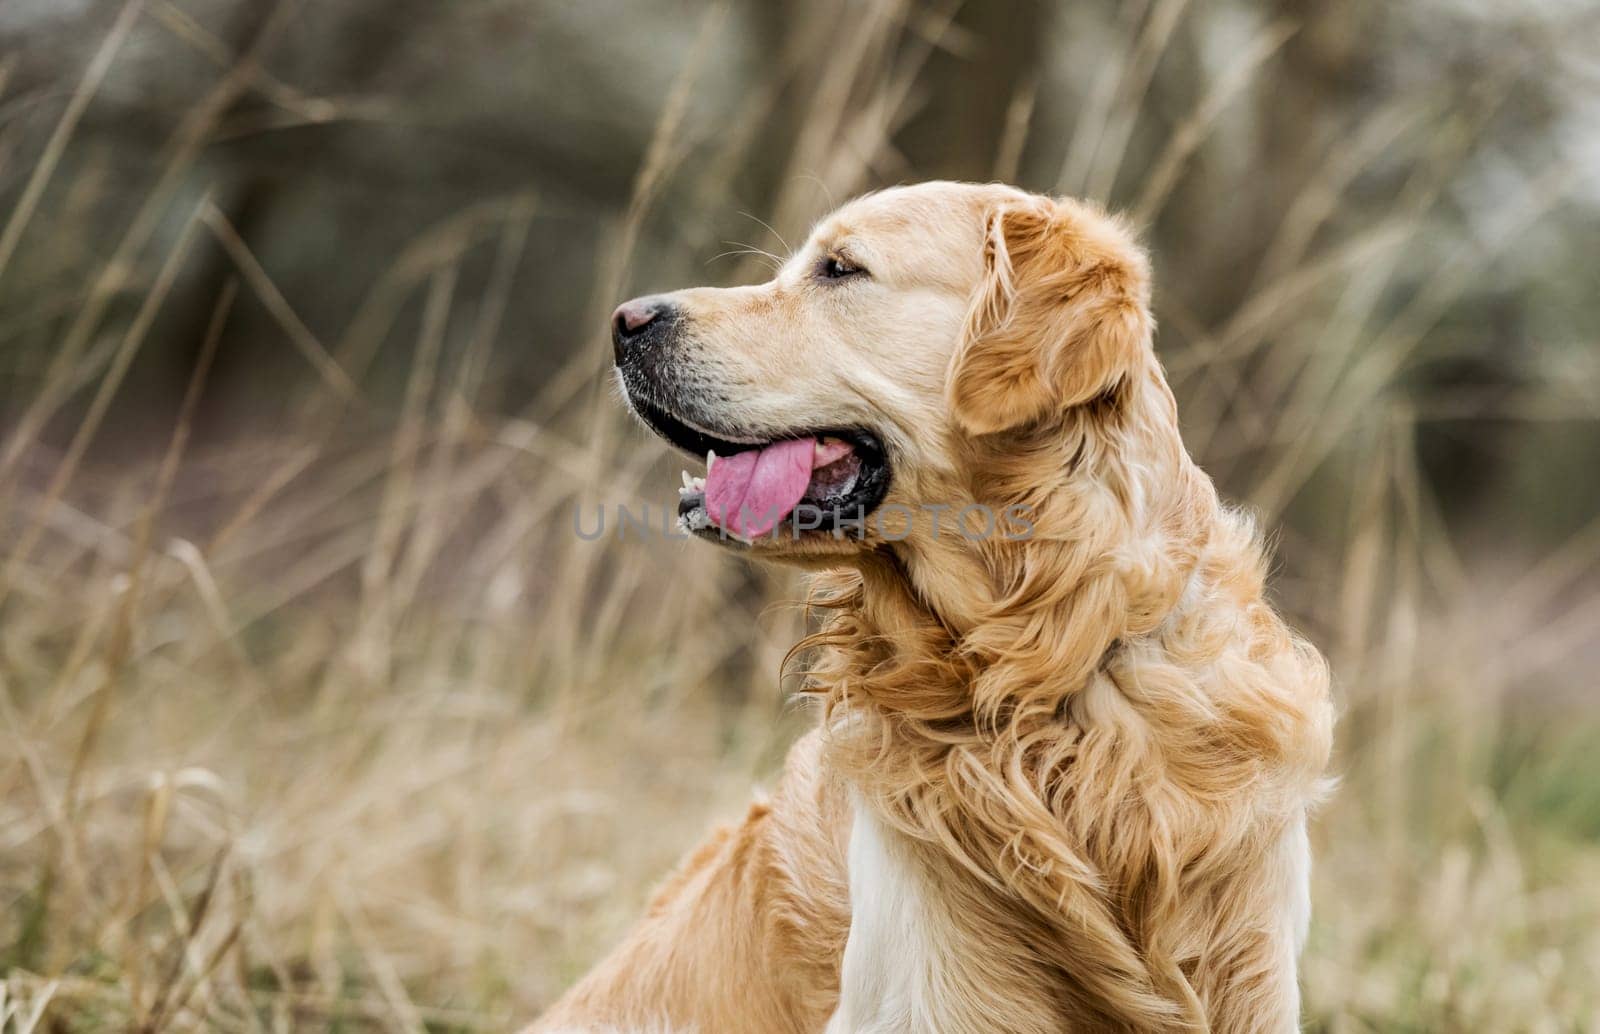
x=890 y=960
x=923 y=956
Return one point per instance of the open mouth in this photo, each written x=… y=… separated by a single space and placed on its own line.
x=821 y=481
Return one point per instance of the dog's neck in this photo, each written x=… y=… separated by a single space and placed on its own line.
x=1134 y=567
x=1116 y=536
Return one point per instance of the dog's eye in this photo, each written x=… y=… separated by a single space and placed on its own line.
x=835 y=268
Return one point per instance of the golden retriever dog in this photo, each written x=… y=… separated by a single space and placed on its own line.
x=1066 y=747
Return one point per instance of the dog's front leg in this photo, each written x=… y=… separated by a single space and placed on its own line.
x=1259 y=992
x=883 y=982
x=930 y=949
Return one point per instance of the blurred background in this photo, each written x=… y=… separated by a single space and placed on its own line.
x=315 y=711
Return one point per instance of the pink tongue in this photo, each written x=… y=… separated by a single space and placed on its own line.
x=749 y=492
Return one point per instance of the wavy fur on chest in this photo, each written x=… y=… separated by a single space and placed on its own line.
x=1108 y=768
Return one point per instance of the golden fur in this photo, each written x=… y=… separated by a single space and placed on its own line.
x=1089 y=753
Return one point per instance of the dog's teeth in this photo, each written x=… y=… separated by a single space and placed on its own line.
x=688 y=482
x=711 y=458
x=698 y=483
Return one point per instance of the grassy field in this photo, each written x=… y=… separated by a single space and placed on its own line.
x=278 y=771
x=341 y=726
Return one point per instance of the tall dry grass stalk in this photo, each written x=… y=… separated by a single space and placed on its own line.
x=346 y=728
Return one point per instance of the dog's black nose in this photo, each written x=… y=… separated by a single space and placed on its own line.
x=632 y=323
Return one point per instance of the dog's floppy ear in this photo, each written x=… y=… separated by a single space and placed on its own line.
x=1061 y=317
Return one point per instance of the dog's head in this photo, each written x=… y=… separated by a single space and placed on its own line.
x=921 y=374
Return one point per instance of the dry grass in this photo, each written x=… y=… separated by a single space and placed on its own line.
x=345 y=728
